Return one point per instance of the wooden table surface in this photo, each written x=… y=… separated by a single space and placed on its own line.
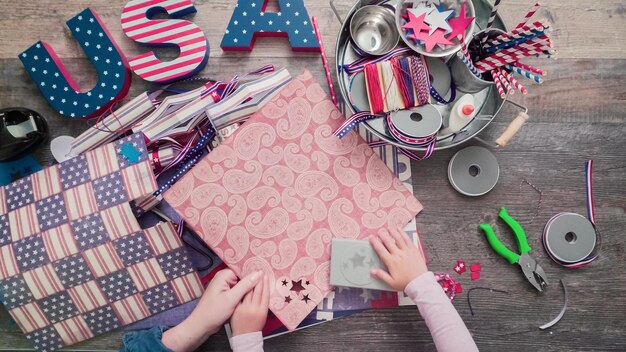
x=577 y=114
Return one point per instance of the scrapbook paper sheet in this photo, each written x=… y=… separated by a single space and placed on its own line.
x=273 y=195
x=74 y=262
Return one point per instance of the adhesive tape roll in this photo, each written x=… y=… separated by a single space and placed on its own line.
x=569 y=238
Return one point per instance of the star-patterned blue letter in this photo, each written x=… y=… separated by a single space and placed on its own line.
x=250 y=21
x=55 y=83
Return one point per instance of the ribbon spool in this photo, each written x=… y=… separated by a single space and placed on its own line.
x=473 y=171
x=417 y=126
x=569 y=238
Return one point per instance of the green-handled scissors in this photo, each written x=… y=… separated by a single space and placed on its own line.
x=534 y=273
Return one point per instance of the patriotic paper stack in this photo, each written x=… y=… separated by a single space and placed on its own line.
x=74 y=262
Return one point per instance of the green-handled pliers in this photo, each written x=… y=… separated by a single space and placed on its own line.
x=534 y=273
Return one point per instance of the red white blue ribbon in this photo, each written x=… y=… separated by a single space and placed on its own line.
x=359 y=65
x=590 y=215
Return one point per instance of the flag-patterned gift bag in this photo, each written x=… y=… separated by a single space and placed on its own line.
x=74 y=262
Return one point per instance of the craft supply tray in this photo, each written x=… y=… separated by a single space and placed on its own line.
x=487 y=101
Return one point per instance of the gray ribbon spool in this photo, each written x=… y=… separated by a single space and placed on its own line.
x=419 y=122
x=473 y=171
x=570 y=237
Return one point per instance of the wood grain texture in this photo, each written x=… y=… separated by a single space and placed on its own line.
x=579 y=113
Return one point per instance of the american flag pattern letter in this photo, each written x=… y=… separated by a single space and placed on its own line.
x=139 y=26
x=74 y=262
x=273 y=195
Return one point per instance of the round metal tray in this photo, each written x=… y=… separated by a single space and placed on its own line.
x=487 y=101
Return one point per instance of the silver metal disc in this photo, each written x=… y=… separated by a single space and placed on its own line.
x=422 y=121
x=473 y=171
x=570 y=237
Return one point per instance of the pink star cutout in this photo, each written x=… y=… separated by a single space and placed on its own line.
x=430 y=41
x=416 y=24
x=459 y=24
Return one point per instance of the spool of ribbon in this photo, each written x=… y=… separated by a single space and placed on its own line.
x=567 y=251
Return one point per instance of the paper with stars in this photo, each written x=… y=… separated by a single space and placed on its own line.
x=74 y=262
x=273 y=195
x=250 y=21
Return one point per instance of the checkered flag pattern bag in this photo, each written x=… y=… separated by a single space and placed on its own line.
x=74 y=262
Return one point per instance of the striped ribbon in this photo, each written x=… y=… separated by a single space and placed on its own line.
x=439 y=98
x=591 y=215
x=359 y=65
x=353 y=121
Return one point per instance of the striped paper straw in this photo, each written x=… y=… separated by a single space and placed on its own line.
x=517 y=33
x=514 y=82
x=505 y=82
x=466 y=58
x=324 y=60
x=529 y=68
x=507 y=56
x=515 y=42
x=469 y=65
x=496 y=79
x=529 y=14
x=524 y=73
x=492 y=17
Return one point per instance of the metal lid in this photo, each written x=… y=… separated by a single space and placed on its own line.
x=422 y=121
x=570 y=237
x=473 y=171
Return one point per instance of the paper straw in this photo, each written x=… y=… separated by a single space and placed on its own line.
x=516 y=42
x=465 y=57
x=324 y=60
x=524 y=73
x=509 y=56
x=496 y=79
x=529 y=68
x=514 y=82
x=494 y=12
x=530 y=14
x=517 y=33
x=505 y=82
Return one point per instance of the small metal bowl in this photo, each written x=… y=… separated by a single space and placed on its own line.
x=373 y=30
x=437 y=51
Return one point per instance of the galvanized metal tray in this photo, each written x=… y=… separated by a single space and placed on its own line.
x=487 y=101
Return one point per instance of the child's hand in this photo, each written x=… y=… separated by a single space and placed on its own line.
x=215 y=307
x=251 y=314
x=223 y=295
x=403 y=259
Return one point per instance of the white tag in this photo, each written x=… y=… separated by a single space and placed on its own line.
x=61 y=148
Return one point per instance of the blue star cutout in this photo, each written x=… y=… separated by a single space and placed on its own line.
x=130 y=153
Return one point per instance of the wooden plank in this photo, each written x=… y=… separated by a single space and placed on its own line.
x=577 y=114
x=580 y=27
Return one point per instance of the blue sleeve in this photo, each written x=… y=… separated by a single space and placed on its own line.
x=145 y=341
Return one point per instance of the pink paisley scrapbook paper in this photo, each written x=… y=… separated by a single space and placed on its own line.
x=273 y=195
